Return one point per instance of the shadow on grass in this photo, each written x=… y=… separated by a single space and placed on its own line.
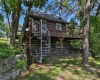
x=64 y=62
x=60 y=60
x=39 y=76
x=53 y=65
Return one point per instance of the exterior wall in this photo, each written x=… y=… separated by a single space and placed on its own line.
x=35 y=44
x=52 y=27
x=66 y=49
x=56 y=50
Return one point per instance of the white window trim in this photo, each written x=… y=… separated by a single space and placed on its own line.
x=58 y=26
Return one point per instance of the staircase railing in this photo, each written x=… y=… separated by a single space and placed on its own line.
x=36 y=26
x=42 y=33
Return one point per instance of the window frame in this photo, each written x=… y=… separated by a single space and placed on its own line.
x=58 y=26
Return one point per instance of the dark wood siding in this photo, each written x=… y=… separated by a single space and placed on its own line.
x=52 y=28
x=55 y=50
x=35 y=45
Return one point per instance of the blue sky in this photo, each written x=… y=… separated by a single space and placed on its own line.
x=21 y=20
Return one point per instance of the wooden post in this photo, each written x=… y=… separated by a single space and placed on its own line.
x=30 y=44
x=61 y=46
x=28 y=53
x=61 y=39
x=41 y=44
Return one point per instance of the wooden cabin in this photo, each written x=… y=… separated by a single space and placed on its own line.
x=47 y=34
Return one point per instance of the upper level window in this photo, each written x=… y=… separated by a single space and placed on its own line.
x=58 y=26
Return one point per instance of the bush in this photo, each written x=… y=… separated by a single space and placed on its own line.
x=76 y=43
x=95 y=44
x=21 y=63
x=15 y=51
x=6 y=52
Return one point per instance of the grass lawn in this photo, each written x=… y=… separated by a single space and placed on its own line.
x=63 y=68
x=3 y=40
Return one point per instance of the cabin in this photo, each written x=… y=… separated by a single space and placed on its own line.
x=47 y=34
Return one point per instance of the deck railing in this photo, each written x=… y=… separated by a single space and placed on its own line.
x=75 y=32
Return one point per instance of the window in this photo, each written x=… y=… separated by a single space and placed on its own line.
x=44 y=23
x=58 y=44
x=58 y=26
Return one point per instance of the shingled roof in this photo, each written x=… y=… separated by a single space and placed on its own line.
x=50 y=17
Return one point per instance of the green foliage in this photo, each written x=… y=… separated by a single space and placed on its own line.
x=76 y=43
x=39 y=3
x=4 y=28
x=95 y=44
x=72 y=24
x=95 y=35
x=6 y=52
x=2 y=34
x=21 y=63
x=15 y=51
x=1 y=19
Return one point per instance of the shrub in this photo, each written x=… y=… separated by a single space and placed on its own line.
x=15 y=51
x=6 y=52
x=21 y=63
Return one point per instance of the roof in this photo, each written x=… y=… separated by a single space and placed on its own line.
x=47 y=16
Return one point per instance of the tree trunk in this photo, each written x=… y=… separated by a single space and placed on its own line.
x=85 y=34
x=17 y=20
x=8 y=20
x=25 y=22
x=24 y=26
x=28 y=55
x=12 y=26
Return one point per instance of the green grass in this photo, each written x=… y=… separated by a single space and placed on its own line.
x=63 y=68
x=4 y=40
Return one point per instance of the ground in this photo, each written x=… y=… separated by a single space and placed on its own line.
x=63 y=68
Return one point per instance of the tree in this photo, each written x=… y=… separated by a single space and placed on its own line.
x=95 y=35
x=14 y=9
x=85 y=33
x=81 y=9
